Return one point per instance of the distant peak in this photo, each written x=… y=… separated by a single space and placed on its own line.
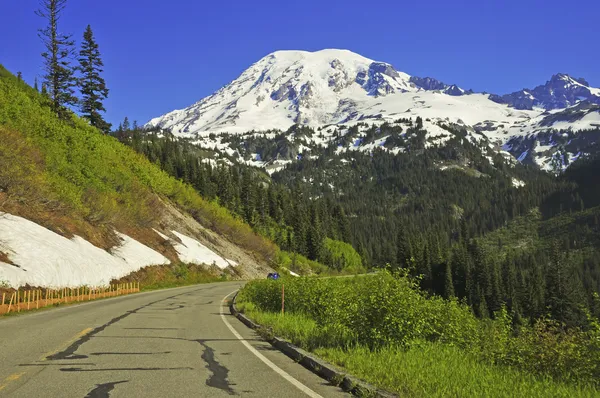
x=568 y=78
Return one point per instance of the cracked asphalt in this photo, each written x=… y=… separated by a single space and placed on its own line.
x=168 y=343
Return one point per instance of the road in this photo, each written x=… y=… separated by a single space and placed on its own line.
x=171 y=343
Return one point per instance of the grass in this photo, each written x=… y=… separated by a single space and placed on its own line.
x=425 y=370
x=174 y=275
x=435 y=370
x=384 y=329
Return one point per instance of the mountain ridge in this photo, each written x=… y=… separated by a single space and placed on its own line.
x=334 y=86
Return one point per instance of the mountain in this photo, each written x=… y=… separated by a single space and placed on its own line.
x=561 y=91
x=333 y=91
x=327 y=87
x=340 y=87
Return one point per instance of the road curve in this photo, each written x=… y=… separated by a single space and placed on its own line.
x=170 y=343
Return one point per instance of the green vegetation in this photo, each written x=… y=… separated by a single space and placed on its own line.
x=375 y=324
x=341 y=256
x=434 y=370
x=173 y=275
x=53 y=167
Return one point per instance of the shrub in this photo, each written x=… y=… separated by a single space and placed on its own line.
x=385 y=310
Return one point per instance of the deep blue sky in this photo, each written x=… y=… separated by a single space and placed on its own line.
x=162 y=55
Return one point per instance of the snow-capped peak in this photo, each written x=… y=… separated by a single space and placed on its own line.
x=287 y=87
x=561 y=91
x=334 y=86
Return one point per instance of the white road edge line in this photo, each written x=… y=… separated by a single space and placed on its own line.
x=260 y=356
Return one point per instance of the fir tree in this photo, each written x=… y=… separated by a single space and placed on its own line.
x=403 y=252
x=448 y=283
x=126 y=126
x=92 y=85
x=59 y=77
x=35 y=85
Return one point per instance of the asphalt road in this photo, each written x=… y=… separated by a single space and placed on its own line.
x=170 y=343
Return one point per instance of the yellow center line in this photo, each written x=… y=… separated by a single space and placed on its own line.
x=10 y=379
x=67 y=344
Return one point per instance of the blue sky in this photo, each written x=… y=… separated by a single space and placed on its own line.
x=163 y=55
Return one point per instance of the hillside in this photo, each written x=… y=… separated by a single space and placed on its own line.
x=77 y=207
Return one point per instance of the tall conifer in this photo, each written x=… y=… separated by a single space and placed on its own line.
x=59 y=77
x=92 y=85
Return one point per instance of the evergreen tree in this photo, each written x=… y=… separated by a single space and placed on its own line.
x=20 y=76
x=404 y=252
x=509 y=281
x=35 y=85
x=448 y=283
x=126 y=126
x=92 y=85
x=563 y=289
x=59 y=77
x=536 y=288
x=495 y=301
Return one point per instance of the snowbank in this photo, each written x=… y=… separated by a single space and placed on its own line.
x=192 y=251
x=44 y=258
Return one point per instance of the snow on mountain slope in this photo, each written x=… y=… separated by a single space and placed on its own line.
x=192 y=251
x=340 y=87
x=41 y=257
x=288 y=87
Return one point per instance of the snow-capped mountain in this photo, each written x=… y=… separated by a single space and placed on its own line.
x=339 y=87
x=561 y=91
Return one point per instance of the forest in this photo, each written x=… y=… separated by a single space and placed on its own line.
x=447 y=213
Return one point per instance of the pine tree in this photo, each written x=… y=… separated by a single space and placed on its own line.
x=59 y=77
x=126 y=126
x=92 y=85
x=20 y=76
x=563 y=288
x=509 y=281
x=403 y=249
x=448 y=284
x=314 y=239
x=536 y=289
x=495 y=300
x=35 y=85
x=248 y=198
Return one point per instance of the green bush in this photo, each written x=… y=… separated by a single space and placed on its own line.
x=385 y=310
x=341 y=256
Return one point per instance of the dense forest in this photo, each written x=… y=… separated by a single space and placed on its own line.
x=449 y=213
